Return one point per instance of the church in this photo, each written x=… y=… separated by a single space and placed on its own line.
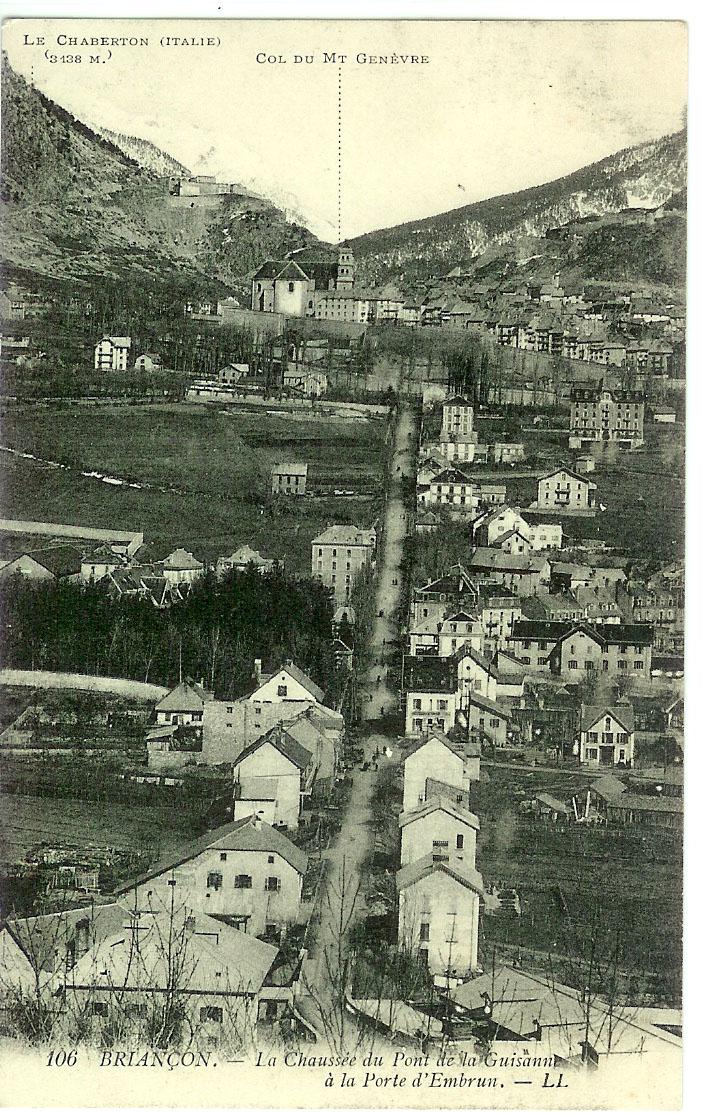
x=290 y=287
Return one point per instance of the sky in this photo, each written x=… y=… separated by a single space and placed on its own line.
x=498 y=107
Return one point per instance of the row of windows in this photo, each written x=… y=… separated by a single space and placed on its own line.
x=243 y=881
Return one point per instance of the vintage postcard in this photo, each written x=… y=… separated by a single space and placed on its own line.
x=342 y=563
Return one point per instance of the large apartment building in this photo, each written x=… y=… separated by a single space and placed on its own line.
x=339 y=554
x=601 y=415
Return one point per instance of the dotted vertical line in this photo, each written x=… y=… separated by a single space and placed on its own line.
x=339 y=154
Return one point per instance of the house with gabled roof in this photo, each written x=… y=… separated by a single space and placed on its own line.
x=572 y=650
x=436 y=756
x=438 y=826
x=562 y=1022
x=288 y=683
x=438 y=913
x=57 y=562
x=486 y=719
x=453 y=589
x=475 y=674
x=525 y=573
x=564 y=491
x=278 y=756
x=112 y=353
x=246 y=871
x=225 y=977
x=242 y=558
x=96 y=564
x=607 y=735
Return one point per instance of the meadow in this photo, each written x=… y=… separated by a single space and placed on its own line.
x=202 y=474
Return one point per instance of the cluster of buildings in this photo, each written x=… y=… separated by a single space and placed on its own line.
x=281 y=738
x=118 y=560
x=193 y=944
x=439 y=888
x=479 y=665
x=637 y=332
x=205 y=931
x=524 y=625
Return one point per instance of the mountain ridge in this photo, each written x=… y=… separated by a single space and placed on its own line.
x=652 y=172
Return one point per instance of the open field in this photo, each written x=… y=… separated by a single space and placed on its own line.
x=629 y=880
x=26 y=821
x=203 y=475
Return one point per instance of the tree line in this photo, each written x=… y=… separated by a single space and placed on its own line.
x=215 y=635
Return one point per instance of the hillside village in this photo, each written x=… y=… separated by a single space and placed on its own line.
x=446 y=743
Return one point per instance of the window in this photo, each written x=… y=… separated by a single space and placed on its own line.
x=291 y=287
x=270 y=859
x=639 y=665
x=573 y=664
x=242 y=881
x=223 y=856
x=591 y=755
x=282 y=689
x=424 y=933
x=272 y=885
x=417 y=705
x=214 y=880
x=494 y=722
x=210 y=1012
x=622 y=739
x=622 y=664
x=460 y=842
x=542 y=660
x=605 y=666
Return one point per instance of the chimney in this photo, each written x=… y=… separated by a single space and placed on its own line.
x=257 y=670
x=256 y=821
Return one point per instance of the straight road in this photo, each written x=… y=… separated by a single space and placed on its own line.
x=341 y=900
x=377 y=695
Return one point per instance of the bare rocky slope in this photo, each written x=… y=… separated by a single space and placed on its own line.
x=75 y=206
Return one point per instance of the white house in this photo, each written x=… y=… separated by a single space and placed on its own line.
x=438 y=913
x=475 y=674
x=276 y=756
x=112 y=352
x=438 y=827
x=220 y=975
x=246 y=870
x=181 y=567
x=564 y=490
x=607 y=735
x=437 y=757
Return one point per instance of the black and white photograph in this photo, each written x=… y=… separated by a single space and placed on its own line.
x=342 y=479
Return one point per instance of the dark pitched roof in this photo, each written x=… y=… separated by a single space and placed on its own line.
x=60 y=560
x=439 y=736
x=249 y=833
x=430 y=674
x=438 y=804
x=279 y=737
x=622 y=712
x=611 y=634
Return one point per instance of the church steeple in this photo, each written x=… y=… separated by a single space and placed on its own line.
x=345 y=267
